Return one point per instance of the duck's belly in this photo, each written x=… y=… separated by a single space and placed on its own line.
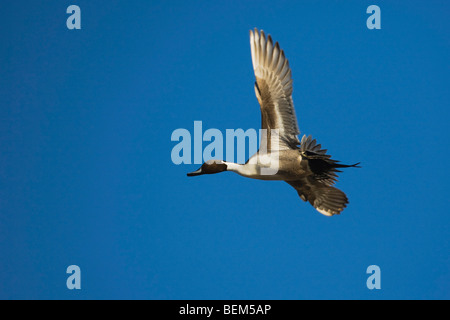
x=273 y=168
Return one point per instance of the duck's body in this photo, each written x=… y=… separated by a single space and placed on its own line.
x=302 y=164
x=289 y=167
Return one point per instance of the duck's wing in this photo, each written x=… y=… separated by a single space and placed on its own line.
x=327 y=200
x=273 y=88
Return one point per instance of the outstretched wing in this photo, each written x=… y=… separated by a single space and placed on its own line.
x=273 y=88
x=326 y=199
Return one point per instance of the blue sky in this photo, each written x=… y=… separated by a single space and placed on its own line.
x=86 y=176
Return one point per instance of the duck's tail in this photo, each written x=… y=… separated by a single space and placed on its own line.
x=324 y=168
x=356 y=165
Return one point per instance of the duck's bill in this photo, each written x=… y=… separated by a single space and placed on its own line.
x=195 y=173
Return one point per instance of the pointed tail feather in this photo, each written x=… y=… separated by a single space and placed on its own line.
x=356 y=165
x=324 y=168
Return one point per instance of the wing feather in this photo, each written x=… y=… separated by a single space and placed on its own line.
x=327 y=200
x=273 y=88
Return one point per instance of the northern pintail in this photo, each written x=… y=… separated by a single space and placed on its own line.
x=302 y=164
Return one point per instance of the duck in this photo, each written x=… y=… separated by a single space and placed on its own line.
x=303 y=164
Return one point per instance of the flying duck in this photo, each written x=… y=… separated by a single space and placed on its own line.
x=302 y=164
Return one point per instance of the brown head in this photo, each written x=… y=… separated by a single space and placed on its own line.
x=210 y=167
